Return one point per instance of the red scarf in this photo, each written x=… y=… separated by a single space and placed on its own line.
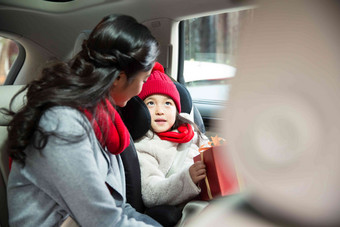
x=184 y=134
x=111 y=134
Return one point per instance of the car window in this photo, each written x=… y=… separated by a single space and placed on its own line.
x=209 y=61
x=9 y=51
x=211 y=45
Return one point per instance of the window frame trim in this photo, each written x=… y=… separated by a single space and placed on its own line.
x=17 y=65
x=181 y=53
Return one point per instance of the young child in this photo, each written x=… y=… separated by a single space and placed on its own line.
x=168 y=173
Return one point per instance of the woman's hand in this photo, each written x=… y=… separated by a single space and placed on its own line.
x=197 y=171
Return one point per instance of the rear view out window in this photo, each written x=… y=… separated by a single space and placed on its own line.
x=211 y=46
x=210 y=54
x=8 y=53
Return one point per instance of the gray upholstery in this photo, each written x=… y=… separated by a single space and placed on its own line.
x=79 y=41
x=6 y=94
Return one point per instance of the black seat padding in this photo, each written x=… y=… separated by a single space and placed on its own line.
x=136 y=117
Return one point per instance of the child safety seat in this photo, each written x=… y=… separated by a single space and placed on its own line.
x=137 y=119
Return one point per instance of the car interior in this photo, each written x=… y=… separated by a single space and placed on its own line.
x=200 y=52
x=47 y=30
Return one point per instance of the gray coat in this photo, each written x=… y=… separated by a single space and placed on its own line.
x=68 y=178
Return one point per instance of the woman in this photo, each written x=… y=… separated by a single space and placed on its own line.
x=65 y=142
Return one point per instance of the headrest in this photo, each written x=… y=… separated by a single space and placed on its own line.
x=79 y=41
x=7 y=92
x=136 y=115
x=186 y=101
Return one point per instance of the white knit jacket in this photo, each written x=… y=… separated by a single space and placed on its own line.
x=156 y=157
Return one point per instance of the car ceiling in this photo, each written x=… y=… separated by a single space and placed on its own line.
x=64 y=20
x=48 y=30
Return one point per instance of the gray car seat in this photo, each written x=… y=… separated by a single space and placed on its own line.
x=6 y=94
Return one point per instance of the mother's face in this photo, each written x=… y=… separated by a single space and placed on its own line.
x=122 y=90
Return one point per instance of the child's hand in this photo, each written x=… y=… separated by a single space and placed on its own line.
x=197 y=171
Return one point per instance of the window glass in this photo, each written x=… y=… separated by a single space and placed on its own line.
x=211 y=47
x=210 y=54
x=8 y=53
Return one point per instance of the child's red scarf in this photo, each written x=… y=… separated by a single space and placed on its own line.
x=111 y=134
x=184 y=134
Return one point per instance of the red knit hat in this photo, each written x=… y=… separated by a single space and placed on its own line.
x=160 y=83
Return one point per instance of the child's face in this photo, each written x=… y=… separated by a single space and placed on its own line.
x=163 y=112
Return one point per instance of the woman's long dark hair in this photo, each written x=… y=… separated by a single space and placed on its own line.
x=118 y=43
